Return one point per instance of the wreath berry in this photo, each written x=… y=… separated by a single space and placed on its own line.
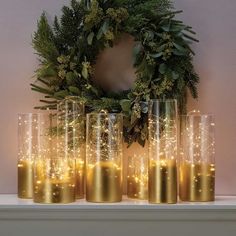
x=68 y=49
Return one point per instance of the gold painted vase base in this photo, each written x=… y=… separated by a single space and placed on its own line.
x=103 y=183
x=197 y=182
x=137 y=190
x=25 y=179
x=163 y=182
x=79 y=182
x=51 y=191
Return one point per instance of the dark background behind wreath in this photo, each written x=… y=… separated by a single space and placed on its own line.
x=214 y=21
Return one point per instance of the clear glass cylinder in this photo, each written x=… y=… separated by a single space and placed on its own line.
x=54 y=173
x=27 y=151
x=162 y=151
x=71 y=125
x=197 y=164
x=137 y=174
x=104 y=141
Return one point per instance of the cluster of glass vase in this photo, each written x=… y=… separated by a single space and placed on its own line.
x=51 y=156
x=64 y=156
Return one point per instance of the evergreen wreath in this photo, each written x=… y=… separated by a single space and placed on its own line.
x=68 y=49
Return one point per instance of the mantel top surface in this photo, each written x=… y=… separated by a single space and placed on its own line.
x=10 y=201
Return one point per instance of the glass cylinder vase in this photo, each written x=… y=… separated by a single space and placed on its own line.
x=104 y=157
x=71 y=125
x=137 y=173
x=197 y=164
x=54 y=173
x=27 y=151
x=162 y=151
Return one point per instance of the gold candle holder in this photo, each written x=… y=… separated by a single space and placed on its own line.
x=54 y=173
x=197 y=182
x=54 y=181
x=104 y=182
x=80 y=176
x=25 y=178
x=27 y=150
x=137 y=178
x=71 y=122
x=104 y=157
x=197 y=168
x=163 y=181
x=162 y=177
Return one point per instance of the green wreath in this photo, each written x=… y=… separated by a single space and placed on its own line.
x=68 y=50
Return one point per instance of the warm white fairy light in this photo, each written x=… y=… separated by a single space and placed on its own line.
x=104 y=138
x=54 y=174
x=137 y=179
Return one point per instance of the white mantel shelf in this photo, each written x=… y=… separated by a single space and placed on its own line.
x=22 y=217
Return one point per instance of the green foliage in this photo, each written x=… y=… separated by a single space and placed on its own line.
x=162 y=57
x=44 y=41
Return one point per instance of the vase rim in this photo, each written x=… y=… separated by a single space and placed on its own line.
x=198 y=115
x=163 y=100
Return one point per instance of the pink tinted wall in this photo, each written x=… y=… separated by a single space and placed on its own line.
x=215 y=23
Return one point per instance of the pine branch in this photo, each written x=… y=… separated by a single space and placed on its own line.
x=43 y=41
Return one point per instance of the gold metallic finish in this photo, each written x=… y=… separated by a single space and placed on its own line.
x=79 y=184
x=197 y=182
x=54 y=191
x=162 y=181
x=54 y=181
x=25 y=179
x=103 y=182
x=137 y=187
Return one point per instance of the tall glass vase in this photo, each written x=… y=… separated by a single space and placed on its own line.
x=162 y=151
x=54 y=173
x=104 y=157
x=197 y=164
x=27 y=151
x=137 y=172
x=71 y=125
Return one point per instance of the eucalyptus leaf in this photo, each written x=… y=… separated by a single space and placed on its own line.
x=178 y=53
x=103 y=29
x=156 y=55
x=125 y=105
x=175 y=75
x=161 y=48
x=179 y=47
x=162 y=68
x=70 y=78
x=74 y=90
x=90 y=38
x=85 y=72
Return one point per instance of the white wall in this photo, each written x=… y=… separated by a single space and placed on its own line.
x=215 y=23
